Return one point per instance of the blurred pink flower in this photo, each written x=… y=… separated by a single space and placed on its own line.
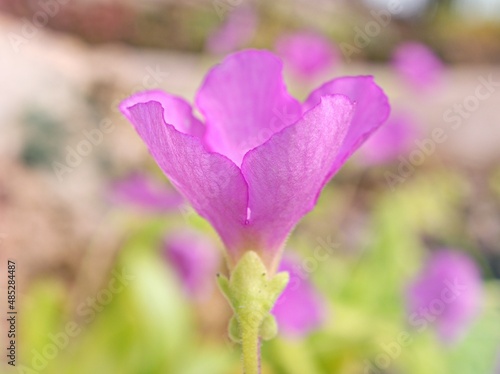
x=236 y=32
x=195 y=259
x=307 y=54
x=396 y=138
x=447 y=294
x=144 y=193
x=300 y=309
x=263 y=158
x=418 y=65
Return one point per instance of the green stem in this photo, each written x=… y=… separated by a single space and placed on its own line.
x=252 y=294
x=250 y=348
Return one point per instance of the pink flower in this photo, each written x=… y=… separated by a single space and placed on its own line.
x=447 y=294
x=144 y=193
x=394 y=139
x=195 y=259
x=238 y=30
x=261 y=160
x=307 y=53
x=418 y=65
x=300 y=309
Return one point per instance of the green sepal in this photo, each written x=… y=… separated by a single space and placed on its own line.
x=269 y=328
x=234 y=330
x=252 y=294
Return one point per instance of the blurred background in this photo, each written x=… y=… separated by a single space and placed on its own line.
x=116 y=273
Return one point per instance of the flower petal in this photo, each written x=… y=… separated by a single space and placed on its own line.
x=371 y=110
x=140 y=191
x=212 y=183
x=307 y=53
x=450 y=287
x=178 y=112
x=195 y=259
x=300 y=309
x=417 y=64
x=286 y=174
x=239 y=29
x=396 y=138
x=244 y=101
